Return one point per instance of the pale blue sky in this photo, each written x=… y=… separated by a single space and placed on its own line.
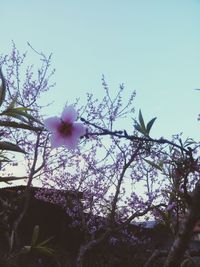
x=153 y=46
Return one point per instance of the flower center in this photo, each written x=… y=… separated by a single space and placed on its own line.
x=66 y=128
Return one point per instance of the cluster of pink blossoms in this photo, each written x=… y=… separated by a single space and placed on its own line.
x=65 y=131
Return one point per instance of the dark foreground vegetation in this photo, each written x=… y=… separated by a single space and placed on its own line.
x=46 y=237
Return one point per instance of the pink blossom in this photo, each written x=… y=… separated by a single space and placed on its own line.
x=65 y=131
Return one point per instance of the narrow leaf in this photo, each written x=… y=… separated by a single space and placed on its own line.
x=22 y=112
x=12 y=240
x=24 y=109
x=14 y=124
x=140 y=129
x=26 y=249
x=11 y=147
x=150 y=124
x=137 y=127
x=46 y=241
x=141 y=120
x=45 y=250
x=14 y=115
x=35 y=235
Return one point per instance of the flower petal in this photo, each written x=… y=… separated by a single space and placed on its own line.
x=71 y=142
x=52 y=124
x=79 y=129
x=69 y=114
x=57 y=140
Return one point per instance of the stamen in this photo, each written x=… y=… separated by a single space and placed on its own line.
x=66 y=128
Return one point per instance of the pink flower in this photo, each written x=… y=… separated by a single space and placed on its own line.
x=65 y=131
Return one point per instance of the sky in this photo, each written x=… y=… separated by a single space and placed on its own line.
x=152 y=47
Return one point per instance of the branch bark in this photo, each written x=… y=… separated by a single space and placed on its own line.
x=185 y=231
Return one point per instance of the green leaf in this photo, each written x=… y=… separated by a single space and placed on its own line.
x=14 y=124
x=35 y=235
x=11 y=147
x=139 y=128
x=26 y=249
x=150 y=124
x=41 y=248
x=24 y=109
x=46 y=241
x=14 y=111
x=141 y=120
x=2 y=88
x=20 y=113
x=12 y=239
x=14 y=115
x=45 y=250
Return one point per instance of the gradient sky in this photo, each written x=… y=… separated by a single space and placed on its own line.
x=152 y=47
